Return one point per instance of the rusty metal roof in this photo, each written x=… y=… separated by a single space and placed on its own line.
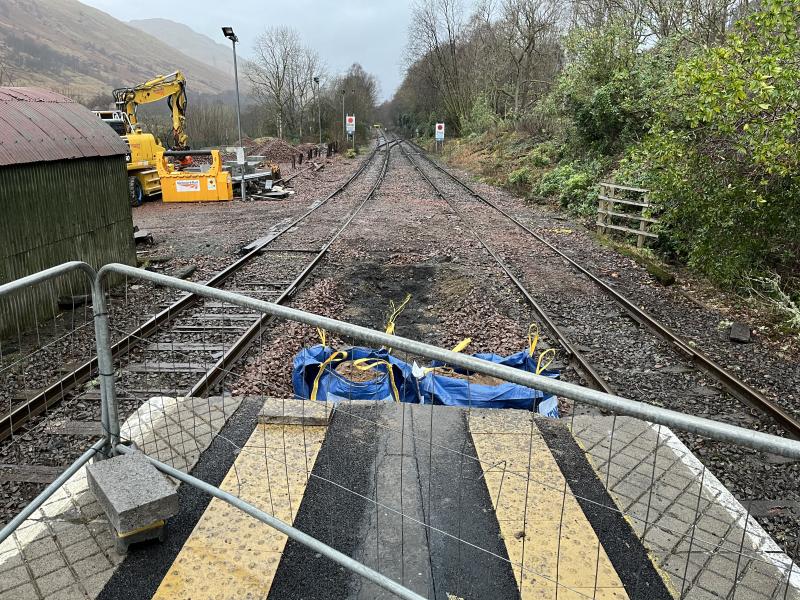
x=39 y=125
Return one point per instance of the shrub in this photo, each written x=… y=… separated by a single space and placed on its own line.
x=539 y=157
x=520 y=177
x=723 y=157
x=611 y=88
x=482 y=117
x=572 y=184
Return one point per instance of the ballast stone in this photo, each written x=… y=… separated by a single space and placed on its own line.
x=740 y=332
x=132 y=492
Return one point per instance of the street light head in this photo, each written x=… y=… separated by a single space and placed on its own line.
x=316 y=80
x=228 y=33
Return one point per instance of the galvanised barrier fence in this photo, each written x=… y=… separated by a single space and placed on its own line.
x=703 y=539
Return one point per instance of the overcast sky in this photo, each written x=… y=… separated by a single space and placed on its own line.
x=370 y=32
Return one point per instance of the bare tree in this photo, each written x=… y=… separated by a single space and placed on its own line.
x=438 y=44
x=270 y=73
x=526 y=36
x=307 y=66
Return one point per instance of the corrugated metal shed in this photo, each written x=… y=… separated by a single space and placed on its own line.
x=39 y=125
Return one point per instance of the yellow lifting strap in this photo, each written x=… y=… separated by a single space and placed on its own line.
x=395 y=311
x=365 y=364
x=322 y=368
x=362 y=364
x=322 y=336
x=533 y=338
x=550 y=353
x=459 y=347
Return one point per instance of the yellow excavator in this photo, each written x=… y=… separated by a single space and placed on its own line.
x=145 y=150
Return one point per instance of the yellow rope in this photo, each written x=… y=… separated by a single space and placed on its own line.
x=365 y=364
x=457 y=348
x=322 y=336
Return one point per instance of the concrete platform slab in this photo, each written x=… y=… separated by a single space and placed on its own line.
x=698 y=533
x=453 y=503
x=66 y=549
x=288 y=411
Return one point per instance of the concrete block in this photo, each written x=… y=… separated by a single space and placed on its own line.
x=288 y=411
x=133 y=493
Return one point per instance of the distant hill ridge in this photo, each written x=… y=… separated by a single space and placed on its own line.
x=187 y=40
x=80 y=51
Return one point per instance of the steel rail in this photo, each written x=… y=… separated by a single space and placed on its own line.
x=717 y=430
x=581 y=364
x=52 y=488
x=18 y=415
x=242 y=344
x=735 y=386
x=56 y=391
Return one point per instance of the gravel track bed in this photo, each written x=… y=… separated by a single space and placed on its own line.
x=636 y=362
x=206 y=236
x=404 y=241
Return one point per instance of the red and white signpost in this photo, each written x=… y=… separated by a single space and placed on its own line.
x=439 y=135
x=350 y=127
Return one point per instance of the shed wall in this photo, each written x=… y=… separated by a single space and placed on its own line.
x=54 y=212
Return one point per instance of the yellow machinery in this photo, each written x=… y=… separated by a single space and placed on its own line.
x=209 y=185
x=145 y=148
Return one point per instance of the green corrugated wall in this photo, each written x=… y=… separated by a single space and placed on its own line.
x=54 y=212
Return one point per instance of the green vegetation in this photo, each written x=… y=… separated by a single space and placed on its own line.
x=704 y=114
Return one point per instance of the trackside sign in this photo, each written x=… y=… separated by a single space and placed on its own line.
x=439 y=132
x=350 y=122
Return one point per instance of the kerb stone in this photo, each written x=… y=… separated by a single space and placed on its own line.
x=133 y=493
x=288 y=411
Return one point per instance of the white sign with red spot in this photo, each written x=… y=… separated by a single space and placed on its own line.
x=439 y=132
x=350 y=122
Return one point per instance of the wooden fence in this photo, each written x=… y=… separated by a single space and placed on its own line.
x=624 y=203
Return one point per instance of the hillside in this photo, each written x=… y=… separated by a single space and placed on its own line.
x=80 y=51
x=188 y=41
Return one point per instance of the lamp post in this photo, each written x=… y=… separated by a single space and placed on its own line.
x=228 y=33
x=344 y=125
x=319 y=115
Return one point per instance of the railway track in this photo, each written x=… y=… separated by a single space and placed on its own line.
x=215 y=359
x=580 y=363
x=730 y=382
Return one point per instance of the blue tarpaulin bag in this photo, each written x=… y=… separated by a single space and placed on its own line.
x=437 y=388
x=314 y=376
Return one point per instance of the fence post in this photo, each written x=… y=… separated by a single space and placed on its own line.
x=105 y=366
x=642 y=224
x=601 y=206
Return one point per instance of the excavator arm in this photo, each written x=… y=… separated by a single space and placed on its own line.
x=173 y=88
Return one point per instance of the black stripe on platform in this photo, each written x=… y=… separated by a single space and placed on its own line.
x=362 y=451
x=143 y=569
x=623 y=547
